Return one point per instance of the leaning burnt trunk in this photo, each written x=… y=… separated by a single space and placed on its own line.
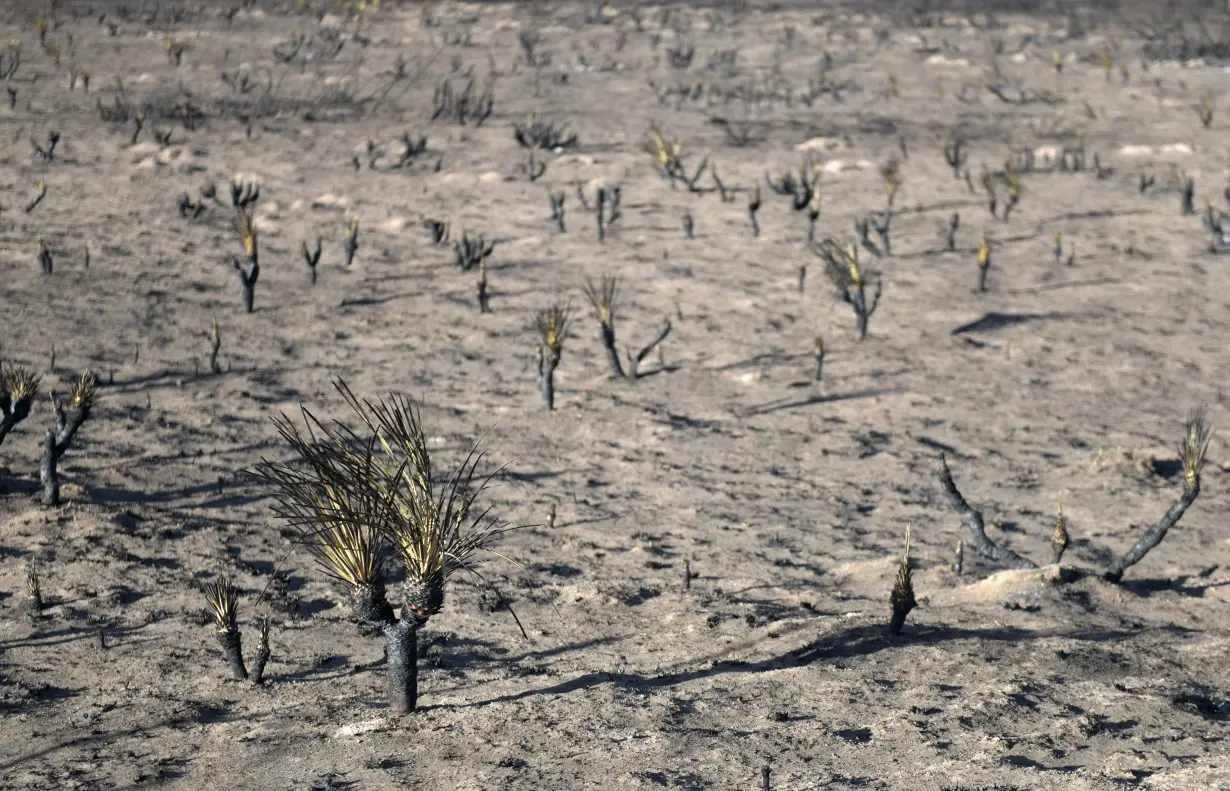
x=401 y=643
x=1154 y=535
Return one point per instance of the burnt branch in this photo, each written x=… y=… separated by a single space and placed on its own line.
x=1192 y=452
x=977 y=528
x=635 y=360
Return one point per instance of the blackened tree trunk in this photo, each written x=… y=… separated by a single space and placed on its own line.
x=401 y=640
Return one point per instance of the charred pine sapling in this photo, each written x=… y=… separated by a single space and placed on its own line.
x=1059 y=536
x=955 y=153
x=248 y=273
x=311 y=258
x=350 y=244
x=552 y=325
x=852 y=281
x=901 y=599
x=244 y=195
x=69 y=417
x=603 y=298
x=34 y=590
x=953 y=225
x=223 y=602
x=984 y=262
x=18 y=389
x=557 y=209
x=356 y=499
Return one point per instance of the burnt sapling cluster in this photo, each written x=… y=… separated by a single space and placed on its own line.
x=800 y=188
x=670 y=161
x=357 y=498
x=471 y=251
x=222 y=600
x=464 y=106
x=536 y=132
x=1192 y=451
x=852 y=281
x=604 y=298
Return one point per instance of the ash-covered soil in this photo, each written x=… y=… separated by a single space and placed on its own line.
x=787 y=497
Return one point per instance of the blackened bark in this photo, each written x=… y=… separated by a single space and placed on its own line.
x=973 y=519
x=232 y=645
x=1154 y=535
x=401 y=641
